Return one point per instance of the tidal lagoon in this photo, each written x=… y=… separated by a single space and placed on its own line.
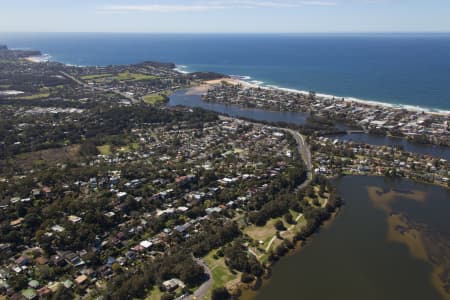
x=358 y=256
x=192 y=98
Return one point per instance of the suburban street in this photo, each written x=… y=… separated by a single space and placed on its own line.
x=201 y=292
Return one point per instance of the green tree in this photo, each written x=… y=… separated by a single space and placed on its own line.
x=279 y=225
x=288 y=218
x=220 y=293
x=247 y=278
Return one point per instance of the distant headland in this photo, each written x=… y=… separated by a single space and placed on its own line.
x=6 y=54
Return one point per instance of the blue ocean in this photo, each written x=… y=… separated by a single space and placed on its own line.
x=407 y=69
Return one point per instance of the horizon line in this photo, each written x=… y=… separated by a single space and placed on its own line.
x=236 y=33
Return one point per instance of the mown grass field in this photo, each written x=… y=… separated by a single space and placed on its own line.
x=154 y=99
x=262 y=233
x=43 y=93
x=155 y=294
x=105 y=149
x=129 y=147
x=97 y=76
x=220 y=273
x=265 y=238
x=133 y=76
x=123 y=76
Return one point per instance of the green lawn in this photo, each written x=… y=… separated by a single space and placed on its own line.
x=267 y=234
x=153 y=99
x=135 y=146
x=96 y=76
x=133 y=76
x=262 y=233
x=220 y=273
x=123 y=76
x=105 y=149
x=155 y=294
x=293 y=229
x=43 y=93
x=129 y=147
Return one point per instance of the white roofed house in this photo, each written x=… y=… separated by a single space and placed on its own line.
x=146 y=244
x=121 y=195
x=172 y=284
x=74 y=219
x=58 y=228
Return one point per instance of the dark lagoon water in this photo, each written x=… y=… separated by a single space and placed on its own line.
x=436 y=151
x=185 y=98
x=409 y=69
x=182 y=97
x=352 y=258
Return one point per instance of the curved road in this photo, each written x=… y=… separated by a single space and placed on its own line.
x=201 y=292
x=305 y=152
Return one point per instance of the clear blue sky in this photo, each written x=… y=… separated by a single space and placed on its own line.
x=225 y=15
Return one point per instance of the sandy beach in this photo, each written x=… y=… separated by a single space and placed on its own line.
x=33 y=59
x=38 y=59
x=202 y=89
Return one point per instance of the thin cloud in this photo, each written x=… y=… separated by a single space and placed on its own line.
x=159 y=8
x=209 y=6
x=319 y=3
x=279 y=4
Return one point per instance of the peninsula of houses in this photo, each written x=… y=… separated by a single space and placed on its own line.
x=416 y=126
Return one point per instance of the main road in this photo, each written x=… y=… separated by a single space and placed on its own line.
x=305 y=152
